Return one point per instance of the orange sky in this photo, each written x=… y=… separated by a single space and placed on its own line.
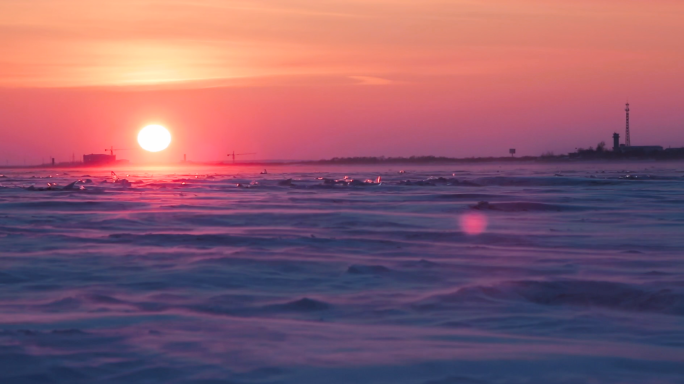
x=315 y=79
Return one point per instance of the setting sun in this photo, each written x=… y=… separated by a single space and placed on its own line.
x=154 y=138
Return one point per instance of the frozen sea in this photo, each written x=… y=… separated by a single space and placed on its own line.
x=459 y=274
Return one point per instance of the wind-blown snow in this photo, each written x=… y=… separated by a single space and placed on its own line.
x=323 y=275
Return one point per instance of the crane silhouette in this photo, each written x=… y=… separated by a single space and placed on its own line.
x=239 y=154
x=112 y=149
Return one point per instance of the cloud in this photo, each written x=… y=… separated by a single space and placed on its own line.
x=369 y=80
x=48 y=43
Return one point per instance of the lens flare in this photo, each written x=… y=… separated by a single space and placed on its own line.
x=154 y=138
x=473 y=223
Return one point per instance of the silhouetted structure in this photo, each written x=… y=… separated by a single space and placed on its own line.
x=628 y=141
x=98 y=159
x=112 y=149
x=627 y=148
x=641 y=149
x=238 y=154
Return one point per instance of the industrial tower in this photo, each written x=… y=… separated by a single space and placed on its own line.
x=627 y=141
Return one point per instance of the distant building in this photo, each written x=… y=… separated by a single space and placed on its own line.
x=640 y=149
x=633 y=150
x=98 y=159
x=674 y=153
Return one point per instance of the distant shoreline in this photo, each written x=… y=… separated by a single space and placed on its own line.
x=417 y=160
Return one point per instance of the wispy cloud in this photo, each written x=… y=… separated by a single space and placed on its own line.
x=84 y=42
x=370 y=80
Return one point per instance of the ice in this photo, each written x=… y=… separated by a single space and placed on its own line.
x=343 y=274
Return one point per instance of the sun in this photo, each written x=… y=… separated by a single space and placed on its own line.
x=154 y=138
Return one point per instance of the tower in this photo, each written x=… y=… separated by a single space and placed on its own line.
x=616 y=142
x=627 y=141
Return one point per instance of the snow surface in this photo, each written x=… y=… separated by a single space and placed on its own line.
x=226 y=275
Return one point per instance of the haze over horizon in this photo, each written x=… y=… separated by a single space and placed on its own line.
x=319 y=79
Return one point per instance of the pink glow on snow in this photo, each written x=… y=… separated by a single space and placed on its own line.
x=473 y=223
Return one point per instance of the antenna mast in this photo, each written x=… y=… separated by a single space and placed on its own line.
x=112 y=149
x=239 y=154
x=627 y=141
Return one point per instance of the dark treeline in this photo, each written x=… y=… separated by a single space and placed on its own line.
x=598 y=153
x=601 y=152
x=418 y=160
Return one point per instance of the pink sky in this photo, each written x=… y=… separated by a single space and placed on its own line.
x=305 y=79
